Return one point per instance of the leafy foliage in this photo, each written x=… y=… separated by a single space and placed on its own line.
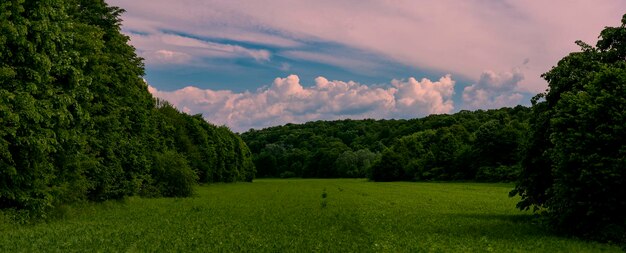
x=437 y=147
x=575 y=164
x=78 y=122
x=173 y=176
x=215 y=153
x=489 y=153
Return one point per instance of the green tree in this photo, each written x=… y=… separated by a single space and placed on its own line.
x=355 y=164
x=449 y=154
x=121 y=107
x=497 y=148
x=321 y=164
x=43 y=91
x=77 y=121
x=389 y=167
x=172 y=175
x=574 y=165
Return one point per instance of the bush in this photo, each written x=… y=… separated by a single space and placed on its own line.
x=172 y=175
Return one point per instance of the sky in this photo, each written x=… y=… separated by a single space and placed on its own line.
x=254 y=64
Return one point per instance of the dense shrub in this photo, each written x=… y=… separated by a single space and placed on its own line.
x=172 y=175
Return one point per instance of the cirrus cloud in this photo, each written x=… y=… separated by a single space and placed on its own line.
x=287 y=100
x=163 y=48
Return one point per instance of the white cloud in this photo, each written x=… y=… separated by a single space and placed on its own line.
x=425 y=94
x=494 y=90
x=286 y=100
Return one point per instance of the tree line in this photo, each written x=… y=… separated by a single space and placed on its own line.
x=479 y=145
x=77 y=120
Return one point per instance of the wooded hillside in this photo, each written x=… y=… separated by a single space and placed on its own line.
x=481 y=145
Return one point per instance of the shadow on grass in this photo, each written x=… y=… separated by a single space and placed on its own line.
x=530 y=219
x=516 y=226
x=508 y=227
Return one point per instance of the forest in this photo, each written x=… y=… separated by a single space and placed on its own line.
x=468 y=145
x=78 y=122
x=78 y=125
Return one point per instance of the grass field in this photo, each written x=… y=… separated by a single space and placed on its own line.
x=336 y=215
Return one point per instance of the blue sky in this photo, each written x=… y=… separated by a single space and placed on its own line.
x=240 y=74
x=254 y=64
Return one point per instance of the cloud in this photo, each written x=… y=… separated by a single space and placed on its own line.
x=460 y=37
x=168 y=57
x=335 y=59
x=162 y=48
x=494 y=90
x=425 y=94
x=199 y=19
x=287 y=100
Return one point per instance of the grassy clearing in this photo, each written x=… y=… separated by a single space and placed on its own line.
x=302 y=215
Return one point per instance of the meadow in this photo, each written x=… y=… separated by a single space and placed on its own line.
x=300 y=215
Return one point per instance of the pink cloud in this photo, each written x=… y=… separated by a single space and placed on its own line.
x=161 y=48
x=331 y=59
x=286 y=100
x=167 y=57
x=494 y=90
x=425 y=94
x=502 y=46
x=462 y=37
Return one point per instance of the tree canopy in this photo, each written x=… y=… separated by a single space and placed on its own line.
x=77 y=120
x=574 y=167
x=482 y=145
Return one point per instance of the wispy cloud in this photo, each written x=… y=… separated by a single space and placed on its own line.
x=287 y=100
x=359 y=63
x=163 y=48
x=167 y=57
x=464 y=38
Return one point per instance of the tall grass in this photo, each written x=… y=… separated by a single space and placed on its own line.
x=341 y=215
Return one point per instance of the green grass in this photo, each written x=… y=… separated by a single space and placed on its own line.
x=294 y=216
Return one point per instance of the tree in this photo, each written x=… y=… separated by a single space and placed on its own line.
x=321 y=164
x=496 y=151
x=575 y=164
x=77 y=120
x=121 y=106
x=449 y=150
x=389 y=167
x=354 y=164
x=43 y=91
x=172 y=175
